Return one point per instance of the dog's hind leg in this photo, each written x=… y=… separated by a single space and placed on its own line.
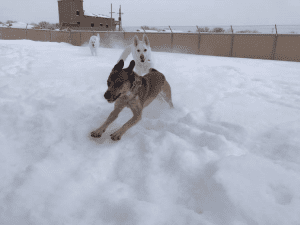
x=166 y=93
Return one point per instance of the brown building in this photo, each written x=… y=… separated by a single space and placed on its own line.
x=72 y=15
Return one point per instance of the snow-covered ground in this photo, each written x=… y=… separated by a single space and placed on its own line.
x=148 y=31
x=228 y=154
x=163 y=31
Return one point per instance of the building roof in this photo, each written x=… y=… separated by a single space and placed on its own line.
x=95 y=15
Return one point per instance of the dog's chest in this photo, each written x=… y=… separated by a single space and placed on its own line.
x=129 y=95
x=134 y=103
x=143 y=68
x=131 y=98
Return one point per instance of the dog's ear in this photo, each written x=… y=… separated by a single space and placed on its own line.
x=146 y=40
x=119 y=66
x=131 y=65
x=135 y=41
x=129 y=69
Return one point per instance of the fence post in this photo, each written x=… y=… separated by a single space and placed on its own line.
x=231 y=44
x=80 y=38
x=70 y=35
x=26 y=31
x=274 y=44
x=199 y=39
x=171 y=39
x=124 y=39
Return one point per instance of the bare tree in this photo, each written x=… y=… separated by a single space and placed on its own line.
x=202 y=29
x=10 y=22
x=218 y=30
x=44 y=25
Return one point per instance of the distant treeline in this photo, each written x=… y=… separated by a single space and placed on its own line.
x=221 y=30
x=40 y=25
x=204 y=30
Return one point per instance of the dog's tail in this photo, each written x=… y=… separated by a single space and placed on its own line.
x=125 y=53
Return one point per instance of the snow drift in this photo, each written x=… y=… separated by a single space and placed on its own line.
x=227 y=154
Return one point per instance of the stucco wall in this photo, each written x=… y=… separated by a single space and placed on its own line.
x=215 y=44
x=258 y=46
x=288 y=48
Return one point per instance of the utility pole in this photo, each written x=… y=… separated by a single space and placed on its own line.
x=120 y=19
x=111 y=12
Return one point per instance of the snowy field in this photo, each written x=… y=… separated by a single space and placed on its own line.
x=227 y=154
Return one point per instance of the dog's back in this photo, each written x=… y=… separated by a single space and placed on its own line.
x=152 y=85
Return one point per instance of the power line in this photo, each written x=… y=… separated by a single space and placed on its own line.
x=111 y=12
x=120 y=19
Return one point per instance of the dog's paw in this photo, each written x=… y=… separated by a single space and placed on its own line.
x=97 y=133
x=116 y=136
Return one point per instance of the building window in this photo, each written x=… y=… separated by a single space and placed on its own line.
x=77 y=13
x=106 y=26
x=92 y=24
x=101 y=24
x=78 y=23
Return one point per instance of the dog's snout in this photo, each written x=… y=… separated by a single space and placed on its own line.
x=142 y=57
x=107 y=95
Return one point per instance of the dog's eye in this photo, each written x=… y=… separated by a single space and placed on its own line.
x=138 y=50
x=145 y=50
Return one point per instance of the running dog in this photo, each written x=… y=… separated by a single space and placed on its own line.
x=141 y=53
x=94 y=44
x=127 y=89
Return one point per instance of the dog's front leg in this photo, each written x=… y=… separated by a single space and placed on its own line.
x=111 y=118
x=137 y=115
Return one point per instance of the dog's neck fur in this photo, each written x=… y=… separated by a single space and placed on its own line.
x=142 y=68
x=135 y=85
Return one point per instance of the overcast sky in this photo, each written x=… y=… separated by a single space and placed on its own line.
x=166 y=12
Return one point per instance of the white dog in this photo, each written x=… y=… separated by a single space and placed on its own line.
x=141 y=53
x=94 y=44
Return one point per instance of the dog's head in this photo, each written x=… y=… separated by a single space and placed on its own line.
x=119 y=81
x=141 y=49
x=95 y=39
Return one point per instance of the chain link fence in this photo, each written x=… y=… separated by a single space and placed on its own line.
x=256 y=29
